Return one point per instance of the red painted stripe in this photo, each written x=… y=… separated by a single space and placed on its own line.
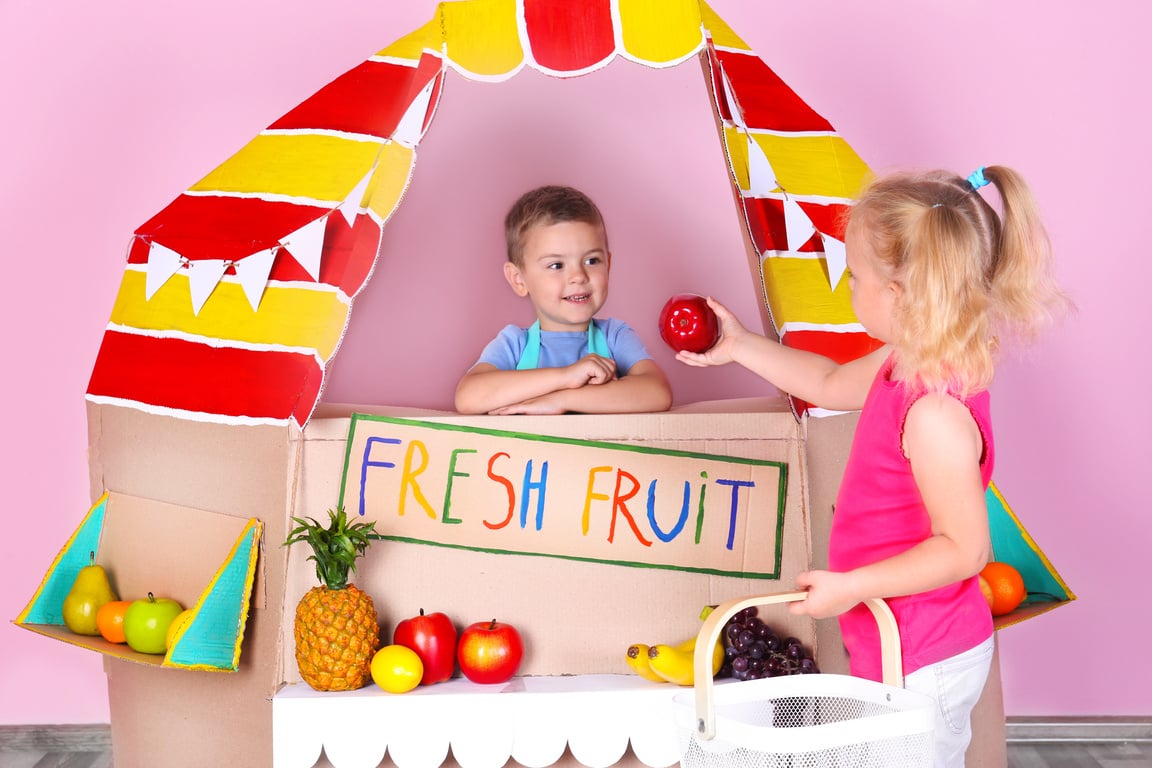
x=768 y=229
x=766 y=223
x=345 y=262
x=841 y=347
x=831 y=219
x=221 y=227
x=349 y=253
x=568 y=37
x=369 y=99
x=766 y=100
x=195 y=377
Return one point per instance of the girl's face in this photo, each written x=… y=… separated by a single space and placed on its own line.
x=874 y=293
x=564 y=273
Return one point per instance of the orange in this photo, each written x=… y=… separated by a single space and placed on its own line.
x=110 y=620
x=1006 y=586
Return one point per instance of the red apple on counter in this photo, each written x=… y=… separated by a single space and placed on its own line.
x=489 y=652
x=433 y=637
x=688 y=324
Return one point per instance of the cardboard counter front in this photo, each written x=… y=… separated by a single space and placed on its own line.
x=575 y=701
x=578 y=609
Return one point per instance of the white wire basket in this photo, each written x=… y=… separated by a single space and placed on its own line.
x=802 y=721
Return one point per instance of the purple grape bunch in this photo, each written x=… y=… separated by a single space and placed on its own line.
x=753 y=651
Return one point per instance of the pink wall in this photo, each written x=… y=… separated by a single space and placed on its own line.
x=110 y=115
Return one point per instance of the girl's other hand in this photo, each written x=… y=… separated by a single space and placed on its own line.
x=829 y=594
x=721 y=352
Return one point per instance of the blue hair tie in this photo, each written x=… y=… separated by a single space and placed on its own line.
x=976 y=179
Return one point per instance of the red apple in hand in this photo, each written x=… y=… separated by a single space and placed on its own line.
x=688 y=324
x=489 y=652
x=433 y=637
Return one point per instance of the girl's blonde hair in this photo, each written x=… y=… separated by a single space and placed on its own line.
x=968 y=277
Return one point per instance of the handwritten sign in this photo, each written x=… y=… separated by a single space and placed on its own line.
x=508 y=492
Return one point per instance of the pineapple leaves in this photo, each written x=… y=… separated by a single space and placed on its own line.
x=335 y=548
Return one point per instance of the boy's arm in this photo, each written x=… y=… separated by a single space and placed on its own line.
x=486 y=388
x=645 y=389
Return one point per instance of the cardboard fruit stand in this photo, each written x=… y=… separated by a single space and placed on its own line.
x=206 y=424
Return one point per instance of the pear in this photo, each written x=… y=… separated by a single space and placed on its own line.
x=90 y=591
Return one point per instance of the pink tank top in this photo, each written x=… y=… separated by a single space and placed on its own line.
x=879 y=514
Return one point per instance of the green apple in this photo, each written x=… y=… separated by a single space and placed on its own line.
x=146 y=623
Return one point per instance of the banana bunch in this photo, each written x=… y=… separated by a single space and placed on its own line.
x=669 y=663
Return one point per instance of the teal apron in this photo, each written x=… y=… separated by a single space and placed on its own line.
x=530 y=357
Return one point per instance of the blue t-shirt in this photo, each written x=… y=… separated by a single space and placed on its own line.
x=561 y=348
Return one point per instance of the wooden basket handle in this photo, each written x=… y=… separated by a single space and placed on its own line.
x=891 y=665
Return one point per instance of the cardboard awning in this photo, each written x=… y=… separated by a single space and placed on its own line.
x=236 y=295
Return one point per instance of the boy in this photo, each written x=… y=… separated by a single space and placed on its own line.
x=558 y=257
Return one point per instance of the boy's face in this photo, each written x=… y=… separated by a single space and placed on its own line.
x=564 y=272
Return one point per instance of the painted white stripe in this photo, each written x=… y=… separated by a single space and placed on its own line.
x=410 y=63
x=363 y=138
x=791 y=255
x=821 y=413
x=815 y=199
x=729 y=49
x=180 y=413
x=270 y=197
x=827 y=327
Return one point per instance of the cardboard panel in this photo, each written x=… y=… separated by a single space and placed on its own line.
x=577 y=617
x=516 y=493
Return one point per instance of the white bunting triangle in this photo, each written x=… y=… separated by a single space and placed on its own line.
x=354 y=202
x=252 y=271
x=306 y=245
x=799 y=227
x=203 y=277
x=733 y=107
x=761 y=176
x=163 y=262
x=835 y=255
x=410 y=129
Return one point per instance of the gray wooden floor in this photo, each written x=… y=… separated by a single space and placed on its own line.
x=89 y=747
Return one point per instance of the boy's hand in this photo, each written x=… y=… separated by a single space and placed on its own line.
x=721 y=352
x=590 y=369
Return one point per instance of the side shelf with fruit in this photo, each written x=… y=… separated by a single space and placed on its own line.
x=179 y=601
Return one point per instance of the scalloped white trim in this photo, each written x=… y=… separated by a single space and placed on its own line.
x=529 y=719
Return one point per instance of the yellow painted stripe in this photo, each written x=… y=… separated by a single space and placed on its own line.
x=412 y=45
x=737 y=143
x=393 y=171
x=798 y=292
x=660 y=32
x=294 y=317
x=722 y=34
x=482 y=36
x=314 y=166
x=814 y=165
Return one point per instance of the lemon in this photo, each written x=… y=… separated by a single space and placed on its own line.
x=397 y=669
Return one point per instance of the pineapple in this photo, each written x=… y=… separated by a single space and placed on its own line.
x=336 y=630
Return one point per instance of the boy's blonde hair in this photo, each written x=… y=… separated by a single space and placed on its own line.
x=547 y=205
x=968 y=277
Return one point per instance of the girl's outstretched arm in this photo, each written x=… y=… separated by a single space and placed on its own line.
x=945 y=448
x=807 y=375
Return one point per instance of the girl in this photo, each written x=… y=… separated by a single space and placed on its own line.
x=940 y=279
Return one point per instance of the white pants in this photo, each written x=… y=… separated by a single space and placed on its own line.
x=955 y=685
